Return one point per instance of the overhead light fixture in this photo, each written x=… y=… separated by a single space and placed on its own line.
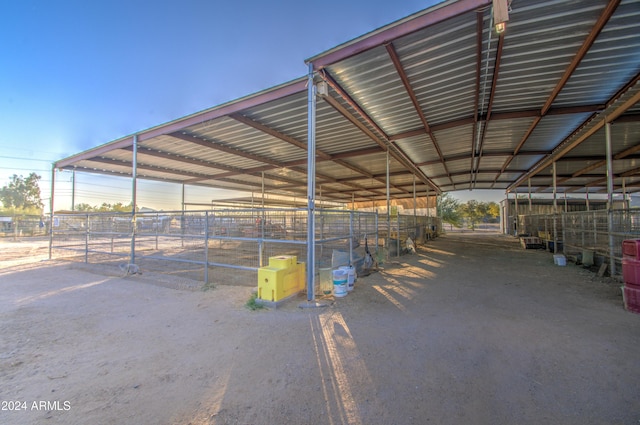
x=322 y=88
x=500 y=15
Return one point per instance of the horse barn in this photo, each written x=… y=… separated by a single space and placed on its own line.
x=526 y=97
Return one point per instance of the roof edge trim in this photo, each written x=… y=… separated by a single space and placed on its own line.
x=268 y=95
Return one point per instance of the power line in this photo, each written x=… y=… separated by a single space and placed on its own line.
x=26 y=159
x=25 y=169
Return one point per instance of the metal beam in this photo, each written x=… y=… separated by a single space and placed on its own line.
x=391 y=32
x=577 y=58
x=494 y=84
x=211 y=144
x=395 y=59
x=476 y=101
x=582 y=52
x=270 y=131
x=384 y=142
x=584 y=132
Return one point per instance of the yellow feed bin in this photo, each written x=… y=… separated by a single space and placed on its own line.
x=283 y=261
x=284 y=277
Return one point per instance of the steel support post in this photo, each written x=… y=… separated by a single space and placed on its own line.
x=530 y=205
x=415 y=200
x=51 y=202
x=388 y=242
x=564 y=231
x=206 y=248
x=311 y=184
x=555 y=207
x=351 y=235
x=134 y=194
x=612 y=260
x=377 y=235
x=516 y=225
x=73 y=190
x=86 y=239
x=587 y=199
x=583 y=230
x=182 y=218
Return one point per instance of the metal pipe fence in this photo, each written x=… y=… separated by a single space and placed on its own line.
x=547 y=227
x=18 y=226
x=221 y=245
x=600 y=232
x=419 y=228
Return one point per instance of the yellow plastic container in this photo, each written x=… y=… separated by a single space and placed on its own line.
x=283 y=261
x=275 y=283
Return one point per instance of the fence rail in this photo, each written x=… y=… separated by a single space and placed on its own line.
x=202 y=244
x=600 y=232
x=18 y=226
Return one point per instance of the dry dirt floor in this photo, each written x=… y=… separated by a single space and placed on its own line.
x=471 y=329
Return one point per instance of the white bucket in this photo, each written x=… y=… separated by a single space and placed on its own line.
x=340 y=283
x=560 y=260
x=351 y=276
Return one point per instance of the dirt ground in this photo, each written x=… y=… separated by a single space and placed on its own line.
x=472 y=329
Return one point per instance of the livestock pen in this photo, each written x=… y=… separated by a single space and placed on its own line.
x=229 y=245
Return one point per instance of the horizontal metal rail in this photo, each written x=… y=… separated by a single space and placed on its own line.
x=599 y=231
x=231 y=238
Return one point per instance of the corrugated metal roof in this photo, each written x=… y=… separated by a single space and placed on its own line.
x=458 y=107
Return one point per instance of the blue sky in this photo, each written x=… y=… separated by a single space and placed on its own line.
x=77 y=74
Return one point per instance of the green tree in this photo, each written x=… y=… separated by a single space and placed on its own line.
x=84 y=207
x=22 y=195
x=117 y=207
x=493 y=210
x=105 y=207
x=447 y=208
x=473 y=211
